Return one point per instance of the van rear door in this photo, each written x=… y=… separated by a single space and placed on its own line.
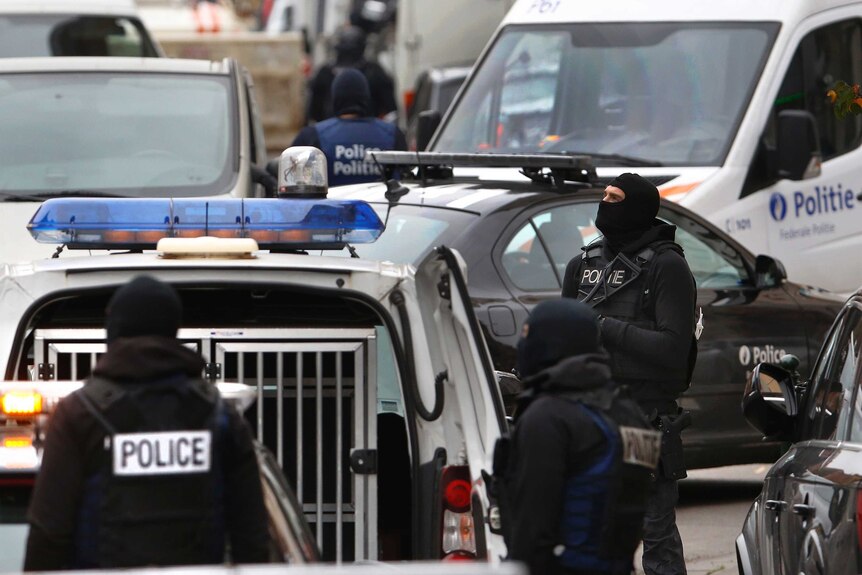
x=457 y=395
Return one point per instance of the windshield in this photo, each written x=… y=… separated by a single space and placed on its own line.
x=411 y=232
x=28 y=35
x=672 y=94
x=126 y=134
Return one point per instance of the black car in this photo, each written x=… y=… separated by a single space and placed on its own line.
x=516 y=235
x=808 y=517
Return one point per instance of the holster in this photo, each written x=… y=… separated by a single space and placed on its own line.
x=671 y=463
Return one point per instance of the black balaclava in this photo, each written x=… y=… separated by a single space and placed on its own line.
x=350 y=93
x=556 y=329
x=350 y=46
x=144 y=306
x=625 y=221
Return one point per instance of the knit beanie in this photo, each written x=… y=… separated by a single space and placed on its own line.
x=350 y=93
x=556 y=329
x=144 y=306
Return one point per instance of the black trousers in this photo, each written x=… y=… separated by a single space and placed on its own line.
x=662 y=551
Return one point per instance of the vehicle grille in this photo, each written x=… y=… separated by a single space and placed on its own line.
x=315 y=406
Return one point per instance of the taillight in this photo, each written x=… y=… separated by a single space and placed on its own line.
x=458 y=531
x=409 y=98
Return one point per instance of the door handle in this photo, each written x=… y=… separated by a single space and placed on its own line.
x=775 y=504
x=803 y=510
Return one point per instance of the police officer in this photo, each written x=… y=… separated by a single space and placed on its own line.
x=637 y=279
x=346 y=138
x=350 y=47
x=146 y=465
x=581 y=453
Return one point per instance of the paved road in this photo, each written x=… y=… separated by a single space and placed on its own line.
x=713 y=504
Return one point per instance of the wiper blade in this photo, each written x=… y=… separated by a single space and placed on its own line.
x=75 y=194
x=623 y=160
x=7 y=197
x=10 y=197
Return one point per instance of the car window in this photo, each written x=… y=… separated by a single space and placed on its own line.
x=714 y=263
x=28 y=35
x=536 y=256
x=411 y=232
x=447 y=94
x=828 y=52
x=831 y=407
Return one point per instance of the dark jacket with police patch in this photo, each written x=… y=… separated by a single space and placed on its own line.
x=567 y=487
x=647 y=296
x=74 y=457
x=344 y=141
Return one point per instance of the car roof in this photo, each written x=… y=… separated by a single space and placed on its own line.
x=151 y=260
x=111 y=64
x=786 y=11
x=89 y=7
x=497 y=189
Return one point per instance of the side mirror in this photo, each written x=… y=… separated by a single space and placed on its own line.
x=426 y=124
x=510 y=388
x=768 y=271
x=798 y=154
x=769 y=402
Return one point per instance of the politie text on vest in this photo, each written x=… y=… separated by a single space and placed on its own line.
x=350 y=161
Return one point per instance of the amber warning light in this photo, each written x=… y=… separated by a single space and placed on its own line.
x=21 y=403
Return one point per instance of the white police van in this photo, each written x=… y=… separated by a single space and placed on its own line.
x=374 y=385
x=723 y=105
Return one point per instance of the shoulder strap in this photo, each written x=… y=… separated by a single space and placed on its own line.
x=97 y=413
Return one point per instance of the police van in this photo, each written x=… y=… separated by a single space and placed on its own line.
x=374 y=386
x=722 y=105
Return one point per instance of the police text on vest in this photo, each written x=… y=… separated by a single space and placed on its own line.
x=162 y=453
x=641 y=446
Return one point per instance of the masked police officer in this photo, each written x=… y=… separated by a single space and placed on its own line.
x=350 y=44
x=145 y=465
x=581 y=454
x=346 y=138
x=637 y=279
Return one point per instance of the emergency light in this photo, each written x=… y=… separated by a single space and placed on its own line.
x=25 y=400
x=131 y=223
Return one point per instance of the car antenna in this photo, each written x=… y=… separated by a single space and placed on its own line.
x=394 y=190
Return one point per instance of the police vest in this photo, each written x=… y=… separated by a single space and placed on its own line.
x=619 y=288
x=157 y=495
x=604 y=505
x=345 y=142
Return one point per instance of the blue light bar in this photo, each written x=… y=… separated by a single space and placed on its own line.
x=131 y=223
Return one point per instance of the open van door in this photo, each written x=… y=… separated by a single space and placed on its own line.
x=457 y=410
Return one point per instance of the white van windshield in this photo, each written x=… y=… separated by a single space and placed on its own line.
x=653 y=93
x=124 y=134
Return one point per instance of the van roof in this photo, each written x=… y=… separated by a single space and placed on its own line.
x=556 y=11
x=113 y=7
x=115 y=64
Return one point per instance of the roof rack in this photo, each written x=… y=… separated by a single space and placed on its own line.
x=544 y=168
